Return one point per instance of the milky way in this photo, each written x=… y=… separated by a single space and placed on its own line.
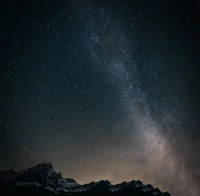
x=167 y=168
x=103 y=90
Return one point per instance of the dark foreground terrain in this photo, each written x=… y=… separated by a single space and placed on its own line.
x=42 y=180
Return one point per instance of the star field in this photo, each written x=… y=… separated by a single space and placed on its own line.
x=103 y=90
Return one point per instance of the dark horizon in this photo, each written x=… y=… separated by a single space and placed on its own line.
x=102 y=90
x=43 y=180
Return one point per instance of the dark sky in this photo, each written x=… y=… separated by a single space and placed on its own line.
x=102 y=89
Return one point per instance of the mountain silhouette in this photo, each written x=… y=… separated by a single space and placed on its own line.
x=43 y=180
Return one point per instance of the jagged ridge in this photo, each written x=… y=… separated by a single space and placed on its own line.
x=43 y=180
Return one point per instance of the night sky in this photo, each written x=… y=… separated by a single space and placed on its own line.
x=102 y=90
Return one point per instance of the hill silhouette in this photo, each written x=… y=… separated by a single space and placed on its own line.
x=44 y=180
